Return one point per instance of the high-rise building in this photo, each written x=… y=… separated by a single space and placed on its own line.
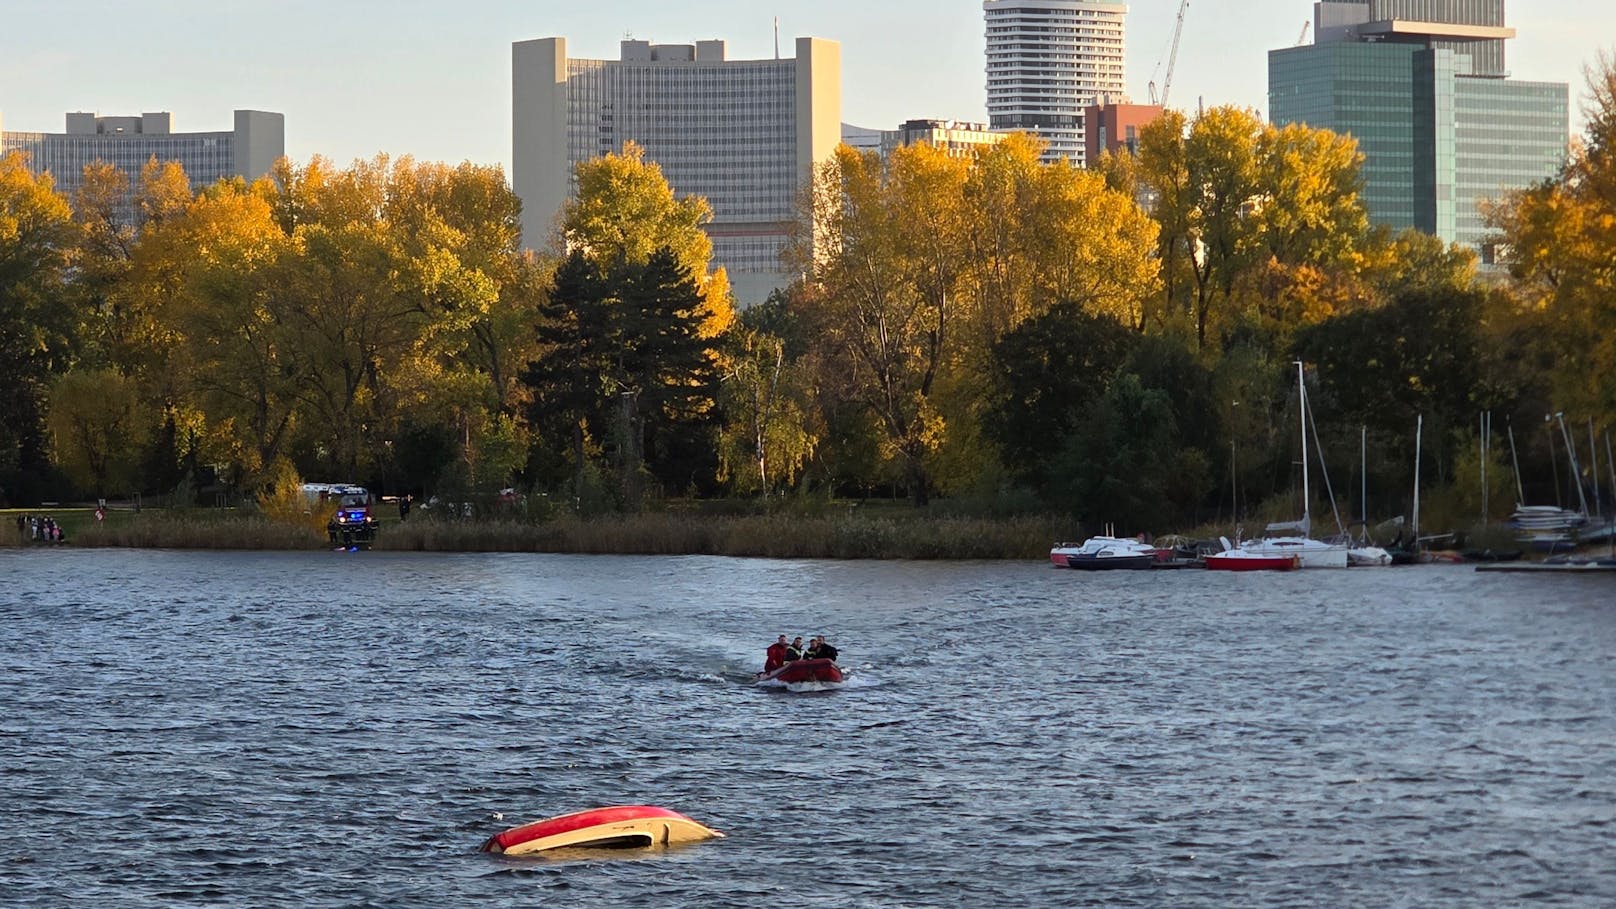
x=1048 y=60
x=1423 y=87
x=128 y=143
x=744 y=134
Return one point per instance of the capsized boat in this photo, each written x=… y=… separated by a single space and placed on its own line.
x=1103 y=553
x=617 y=827
x=796 y=671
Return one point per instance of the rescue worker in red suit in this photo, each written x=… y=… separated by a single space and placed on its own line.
x=775 y=656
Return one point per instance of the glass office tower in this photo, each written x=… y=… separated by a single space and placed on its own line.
x=1422 y=86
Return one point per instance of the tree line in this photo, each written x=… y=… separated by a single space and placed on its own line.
x=1113 y=343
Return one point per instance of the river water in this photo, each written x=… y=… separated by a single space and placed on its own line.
x=344 y=730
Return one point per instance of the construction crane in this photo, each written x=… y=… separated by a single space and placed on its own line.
x=1303 y=38
x=1172 y=58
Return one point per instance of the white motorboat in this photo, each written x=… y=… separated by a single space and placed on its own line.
x=1104 y=553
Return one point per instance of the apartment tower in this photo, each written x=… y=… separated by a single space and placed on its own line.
x=1047 y=61
x=1423 y=87
x=744 y=134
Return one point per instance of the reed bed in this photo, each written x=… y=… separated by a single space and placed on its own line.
x=156 y=530
x=781 y=535
x=759 y=536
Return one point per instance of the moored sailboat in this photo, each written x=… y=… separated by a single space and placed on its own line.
x=1294 y=538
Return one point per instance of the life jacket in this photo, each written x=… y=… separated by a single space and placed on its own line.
x=774 y=657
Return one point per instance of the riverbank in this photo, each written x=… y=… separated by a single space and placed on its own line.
x=845 y=535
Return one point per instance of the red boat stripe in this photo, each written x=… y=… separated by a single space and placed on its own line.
x=567 y=823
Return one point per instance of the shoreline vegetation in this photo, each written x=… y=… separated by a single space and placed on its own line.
x=846 y=535
x=836 y=532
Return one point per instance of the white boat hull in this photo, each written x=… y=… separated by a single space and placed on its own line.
x=1368 y=557
x=1310 y=553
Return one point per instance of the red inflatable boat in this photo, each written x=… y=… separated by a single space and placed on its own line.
x=803 y=671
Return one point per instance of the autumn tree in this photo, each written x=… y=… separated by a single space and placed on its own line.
x=1050 y=371
x=1257 y=221
x=768 y=435
x=1559 y=240
x=624 y=211
x=131 y=277
x=885 y=244
x=238 y=371
x=38 y=327
x=97 y=424
x=392 y=294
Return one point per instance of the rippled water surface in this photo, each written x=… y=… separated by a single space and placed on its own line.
x=325 y=729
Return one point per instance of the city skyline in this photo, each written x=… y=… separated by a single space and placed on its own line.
x=418 y=79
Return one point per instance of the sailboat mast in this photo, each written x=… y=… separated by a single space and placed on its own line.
x=1520 y=491
x=1593 y=466
x=1571 y=456
x=1363 y=476
x=1419 y=431
x=1301 y=400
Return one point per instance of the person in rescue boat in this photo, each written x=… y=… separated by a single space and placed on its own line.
x=794 y=652
x=821 y=650
x=775 y=656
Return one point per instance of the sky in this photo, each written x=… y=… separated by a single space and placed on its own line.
x=432 y=79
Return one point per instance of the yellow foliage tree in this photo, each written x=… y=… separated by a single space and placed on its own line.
x=921 y=260
x=1560 y=243
x=625 y=210
x=97 y=425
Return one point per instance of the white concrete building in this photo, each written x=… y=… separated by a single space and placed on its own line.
x=744 y=134
x=861 y=138
x=257 y=141
x=1047 y=60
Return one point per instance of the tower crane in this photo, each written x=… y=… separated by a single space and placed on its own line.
x=1303 y=39
x=1172 y=58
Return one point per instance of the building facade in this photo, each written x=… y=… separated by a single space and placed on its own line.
x=1423 y=87
x=959 y=138
x=249 y=150
x=1113 y=128
x=744 y=134
x=861 y=138
x=1047 y=61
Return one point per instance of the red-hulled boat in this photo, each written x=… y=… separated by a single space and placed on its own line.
x=1242 y=560
x=803 y=671
x=617 y=827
